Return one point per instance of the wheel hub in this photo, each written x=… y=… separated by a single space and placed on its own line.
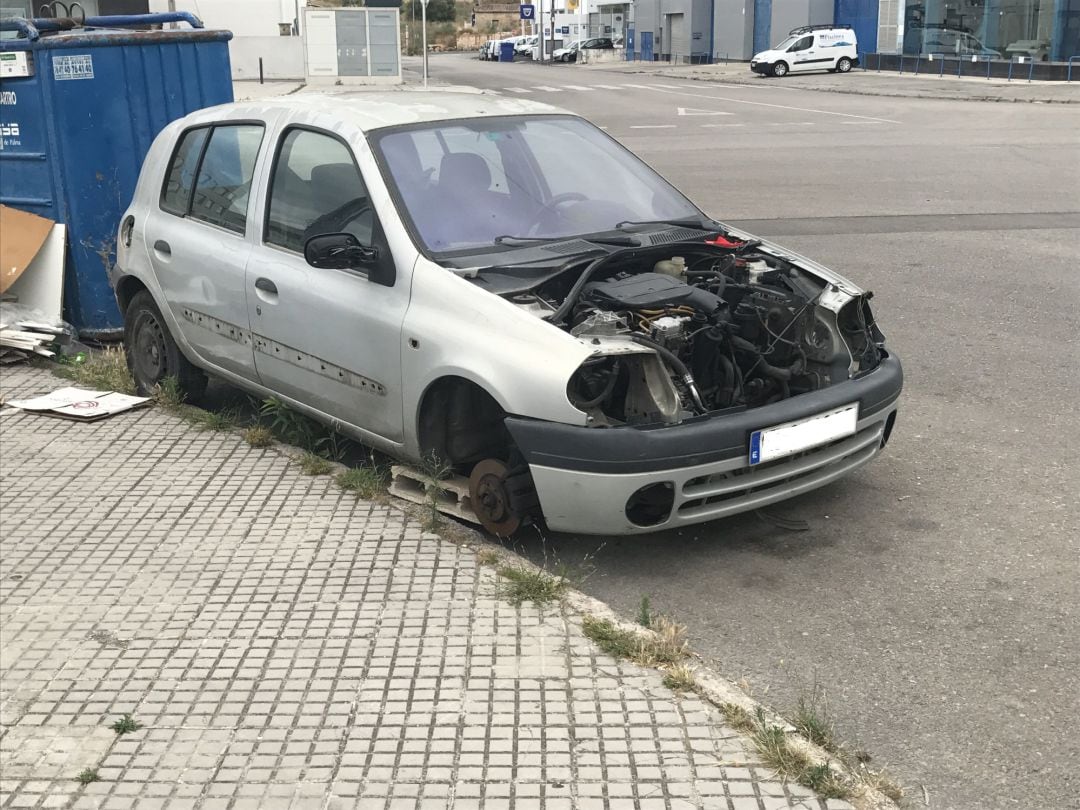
x=490 y=498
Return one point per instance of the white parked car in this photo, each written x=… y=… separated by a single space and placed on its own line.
x=526 y=44
x=812 y=47
x=437 y=273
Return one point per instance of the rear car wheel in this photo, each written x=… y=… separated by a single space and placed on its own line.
x=843 y=65
x=152 y=354
x=780 y=69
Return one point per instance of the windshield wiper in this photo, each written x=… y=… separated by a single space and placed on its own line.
x=521 y=241
x=685 y=222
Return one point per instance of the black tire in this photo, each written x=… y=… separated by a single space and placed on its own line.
x=152 y=354
x=843 y=65
x=780 y=69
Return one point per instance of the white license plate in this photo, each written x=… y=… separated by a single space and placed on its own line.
x=802 y=434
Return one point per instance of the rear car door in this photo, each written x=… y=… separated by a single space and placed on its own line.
x=330 y=339
x=197 y=242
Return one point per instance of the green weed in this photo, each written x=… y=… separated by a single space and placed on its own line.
x=125 y=725
x=101 y=370
x=312 y=464
x=87 y=775
x=366 y=482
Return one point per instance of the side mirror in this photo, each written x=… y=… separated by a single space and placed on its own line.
x=343 y=251
x=338 y=251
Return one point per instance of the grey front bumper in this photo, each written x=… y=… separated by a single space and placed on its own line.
x=585 y=477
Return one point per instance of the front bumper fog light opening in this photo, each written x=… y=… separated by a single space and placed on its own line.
x=651 y=505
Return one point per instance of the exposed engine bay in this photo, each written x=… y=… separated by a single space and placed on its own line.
x=699 y=327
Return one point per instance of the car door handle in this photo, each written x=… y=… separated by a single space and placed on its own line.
x=266 y=285
x=161 y=246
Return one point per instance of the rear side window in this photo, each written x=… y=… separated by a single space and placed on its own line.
x=223 y=187
x=210 y=175
x=176 y=195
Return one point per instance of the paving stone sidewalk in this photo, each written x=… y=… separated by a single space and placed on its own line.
x=284 y=644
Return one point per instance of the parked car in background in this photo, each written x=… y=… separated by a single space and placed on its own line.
x=566 y=53
x=525 y=45
x=487 y=49
x=437 y=273
x=809 y=48
x=940 y=39
x=570 y=53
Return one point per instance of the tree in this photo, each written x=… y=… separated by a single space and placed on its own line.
x=437 y=10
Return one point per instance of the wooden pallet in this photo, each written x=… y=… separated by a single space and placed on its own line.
x=453 y=499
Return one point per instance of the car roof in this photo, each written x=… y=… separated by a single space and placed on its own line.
x=368 y=110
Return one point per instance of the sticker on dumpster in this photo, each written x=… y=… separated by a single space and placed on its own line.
x=73 y=67
x=15 y=63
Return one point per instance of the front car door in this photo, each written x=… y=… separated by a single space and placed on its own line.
x=802 y=54
x=329 y=339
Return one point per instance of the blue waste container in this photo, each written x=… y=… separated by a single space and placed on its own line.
x=506 y=51
x=80 y=104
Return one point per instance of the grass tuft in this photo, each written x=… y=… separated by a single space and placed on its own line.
x=738 y=718
x=365 y=482
x=125 y=725
x=822 y=779
x=776 y=750
x=168 y=395
x=531 y=585
x=259 y=436
x=665 y=646
x=104 y=370
x=87 y=775
x=487 y=556
x=435 y=472
x=211 y=420
x=812 y=720
x=312 y=464
x=680 y=678
x=882 y=782
x=645 y=616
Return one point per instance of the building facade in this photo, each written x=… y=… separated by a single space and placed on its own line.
x=695 y=30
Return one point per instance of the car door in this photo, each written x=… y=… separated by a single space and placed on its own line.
x=197 y=242
x=803 y=55
x=330 y=339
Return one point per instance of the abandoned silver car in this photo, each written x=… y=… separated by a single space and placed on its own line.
x=501 y=284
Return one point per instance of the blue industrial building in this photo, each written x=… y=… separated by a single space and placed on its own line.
x=700 y=30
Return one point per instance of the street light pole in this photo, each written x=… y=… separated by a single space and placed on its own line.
x=423 y=22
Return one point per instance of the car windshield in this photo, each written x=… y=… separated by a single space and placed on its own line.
x=787 y=43
x=463 y=184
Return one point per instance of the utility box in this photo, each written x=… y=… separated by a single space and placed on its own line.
x=80 y=104
x=352 y=45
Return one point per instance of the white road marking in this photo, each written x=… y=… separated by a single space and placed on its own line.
x=607 y=86
x=653 y=126
x=696 y=111
x=547 y=89
x=860 y=122
x=707 y=126
x=775 y=106
x=517 y=90
x=575 y=87
x=639 y=86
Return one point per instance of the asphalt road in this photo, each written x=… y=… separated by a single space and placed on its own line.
x=936 y=596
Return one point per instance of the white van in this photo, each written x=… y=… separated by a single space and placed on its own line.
x=812 y=47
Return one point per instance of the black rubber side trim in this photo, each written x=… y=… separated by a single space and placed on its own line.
x=703 y=440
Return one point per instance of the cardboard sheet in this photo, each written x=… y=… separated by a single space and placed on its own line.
x=21 y=237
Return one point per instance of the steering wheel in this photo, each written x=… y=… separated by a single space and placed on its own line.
x=551 y=207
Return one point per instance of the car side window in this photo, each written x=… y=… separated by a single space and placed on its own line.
x=315 y=189
x=176 y=193
x=223 y=186
x=802 y=45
